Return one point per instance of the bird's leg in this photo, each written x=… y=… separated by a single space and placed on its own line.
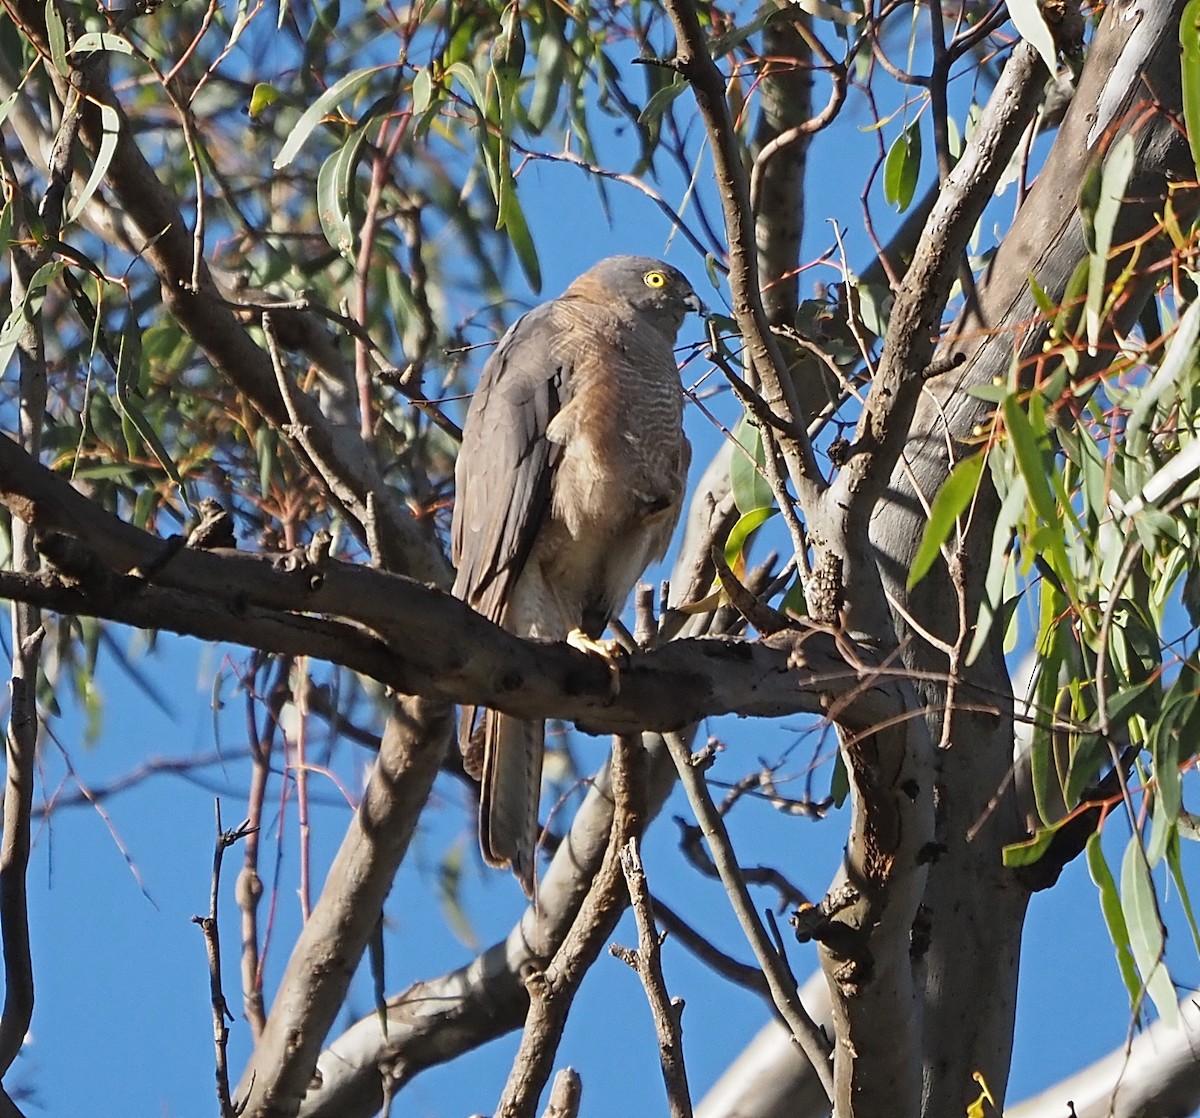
x=610 y=652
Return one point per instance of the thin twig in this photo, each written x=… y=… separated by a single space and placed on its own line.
x=27 y=633
x=552 y=991
x=742 y=974
x=300 y=775
x=647 y=963
x=694 y=61
x=212 y=941
x=249 y=883
x=812 y=1041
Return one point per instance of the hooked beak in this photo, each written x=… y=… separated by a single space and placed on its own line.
x=693 y=302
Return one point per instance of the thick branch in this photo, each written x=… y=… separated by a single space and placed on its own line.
x=437 y=1020
x=1158 y=1072
x=1130 y=80
x=912 y=328
x=379 y=623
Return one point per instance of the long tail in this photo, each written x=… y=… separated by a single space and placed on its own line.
x=511 y=789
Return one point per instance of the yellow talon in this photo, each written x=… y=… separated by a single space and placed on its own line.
x=610 y=652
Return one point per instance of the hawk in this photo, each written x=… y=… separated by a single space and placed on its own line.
x=569 y=482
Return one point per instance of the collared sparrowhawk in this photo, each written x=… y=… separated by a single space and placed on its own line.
x=569 y=482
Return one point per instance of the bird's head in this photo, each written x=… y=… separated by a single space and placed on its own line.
x=647 y=284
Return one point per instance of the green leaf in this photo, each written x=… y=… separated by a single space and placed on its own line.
x=265 y=447
x=549 y=72
x=1175 y=866
x=26 y=308
x=990 y=393
x=512 y=221
x=839 y=781
x=1043 y=301
x=6 y=108
x=466 y=75
x=110 y=124
x=1088 y=757
x=1114 y=180
x=1093 y=752
x=507 y=54
x=1114 y=917
x=662 y=100
x=133 y=420
x=1189 y=39
x=1031 y=850
x=317 y=111
x=721 y=45
x=57 y=35
x=422 y=90
x=747 y=524
x=1029 y=460
x=263 y=96
x=1000 y=565
x=793 y=602
x=335 y=185
x=902 y=167
x=72 y=255
x=1177 y=724
x=751 y=490
x=1028 y=20
x=951 y=502
x=1177 y=362
x=1147 y=936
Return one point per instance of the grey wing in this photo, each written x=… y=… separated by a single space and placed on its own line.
x=505 y=466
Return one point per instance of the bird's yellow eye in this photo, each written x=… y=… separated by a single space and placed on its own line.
x=654 y=279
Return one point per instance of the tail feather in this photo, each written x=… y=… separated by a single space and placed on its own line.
x=511 y=790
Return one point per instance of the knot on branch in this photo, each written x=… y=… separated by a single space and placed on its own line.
x=853 y=963
x=307 y=562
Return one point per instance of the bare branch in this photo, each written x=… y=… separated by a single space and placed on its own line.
x=22 y=736
x=333 y=940
x=908 y=347
x=552 y=990
x=646 y=962
x=810 y=1038
x=212 y=942
x=565 y=1095
x=1156 y=1073
x=693 y=61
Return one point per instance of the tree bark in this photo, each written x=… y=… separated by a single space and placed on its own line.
x=1130 y=81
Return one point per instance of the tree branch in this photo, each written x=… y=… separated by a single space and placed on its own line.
x=693 y=61
x=811 y=1040
x=908 y=346
x=552 y=990
x=646 y=963
x=27 y=634
x=329 y=948
x=192 y=298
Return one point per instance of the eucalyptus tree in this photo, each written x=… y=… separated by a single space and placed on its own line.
x=250 y=252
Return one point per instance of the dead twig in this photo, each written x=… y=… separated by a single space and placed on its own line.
x=212 y=941
x=551 y=991
x=812 y=1041
x=646 y=961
